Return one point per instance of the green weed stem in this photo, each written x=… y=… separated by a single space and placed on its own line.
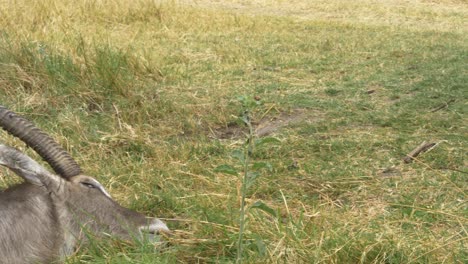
x=248 y=153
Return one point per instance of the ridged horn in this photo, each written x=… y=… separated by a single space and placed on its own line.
x=59 y=159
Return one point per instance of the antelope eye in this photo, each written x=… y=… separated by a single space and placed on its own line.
x=87 y=184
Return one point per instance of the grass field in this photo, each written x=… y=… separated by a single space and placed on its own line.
x=148 y=96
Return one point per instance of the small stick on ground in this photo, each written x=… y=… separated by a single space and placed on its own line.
x=423 y=147
x=442 y=106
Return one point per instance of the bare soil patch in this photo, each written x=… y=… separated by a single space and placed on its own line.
x=267 y=125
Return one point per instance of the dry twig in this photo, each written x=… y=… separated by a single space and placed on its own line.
x=423 y=147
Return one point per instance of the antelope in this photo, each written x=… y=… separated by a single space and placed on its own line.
x=45 y=218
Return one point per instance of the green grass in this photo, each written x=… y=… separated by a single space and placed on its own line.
x=140 y=93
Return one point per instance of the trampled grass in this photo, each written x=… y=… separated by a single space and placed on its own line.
x=145 y=96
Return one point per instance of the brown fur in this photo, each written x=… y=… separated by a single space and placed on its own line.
x=43 y=219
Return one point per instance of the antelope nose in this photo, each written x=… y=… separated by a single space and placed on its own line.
x=156 y=227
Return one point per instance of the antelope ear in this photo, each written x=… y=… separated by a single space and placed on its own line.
x=27 y=168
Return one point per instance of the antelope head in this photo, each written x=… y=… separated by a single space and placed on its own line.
x=43 y=219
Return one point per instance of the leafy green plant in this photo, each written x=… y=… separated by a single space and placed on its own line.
x=248 y=171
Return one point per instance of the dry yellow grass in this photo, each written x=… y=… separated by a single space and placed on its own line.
x=447 y=16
